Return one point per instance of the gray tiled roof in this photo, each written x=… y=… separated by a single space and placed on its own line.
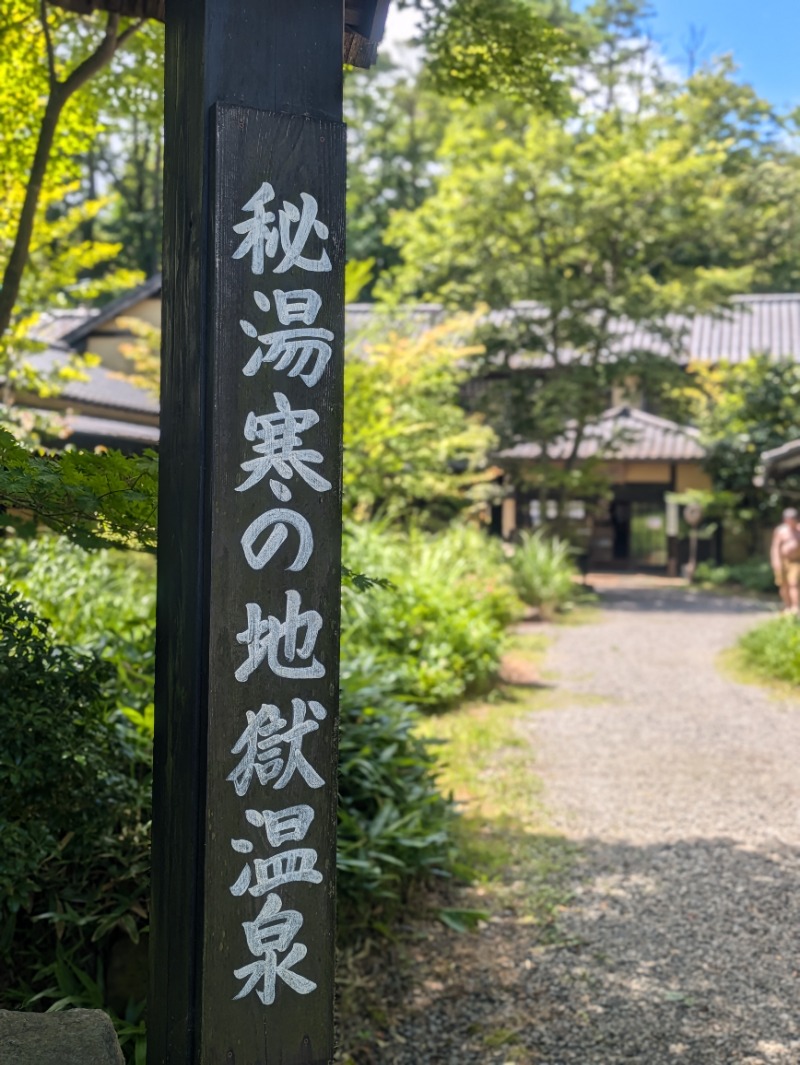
x=149 y=289
x=102 y=387
x=111 y=429
x=768 y=324
x=622 y=434
x=53 y=326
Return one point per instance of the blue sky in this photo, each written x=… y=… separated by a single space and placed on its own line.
x=763 y=35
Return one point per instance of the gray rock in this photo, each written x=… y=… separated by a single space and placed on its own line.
x=75 y=1037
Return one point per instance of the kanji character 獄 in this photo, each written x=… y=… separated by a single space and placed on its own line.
x=261 y=742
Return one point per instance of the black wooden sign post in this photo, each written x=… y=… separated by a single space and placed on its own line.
x=249 y=553
x=244 y=827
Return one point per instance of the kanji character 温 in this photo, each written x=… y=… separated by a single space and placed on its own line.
x=288 y=867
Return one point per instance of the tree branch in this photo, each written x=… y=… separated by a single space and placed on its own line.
x=95 y=62
x=60 y=92
x=48 y=39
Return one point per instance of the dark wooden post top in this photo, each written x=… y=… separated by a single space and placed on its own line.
x=364 y=21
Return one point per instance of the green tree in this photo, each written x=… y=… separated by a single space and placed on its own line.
x=655 y=200
x=743 y=410
x=46 y=59
x=129 y=153
x=394 y=129
x=408 y=442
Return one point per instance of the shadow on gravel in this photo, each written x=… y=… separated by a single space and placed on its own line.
x=681 y=600
x=680 y=953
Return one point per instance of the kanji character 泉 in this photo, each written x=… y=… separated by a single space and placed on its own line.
x=260 y=746
x=272 y=933
x=279 y=447
x=264 y=639
x=262 y=237
x=291 y=349
x=279 y=518
x=289 y=867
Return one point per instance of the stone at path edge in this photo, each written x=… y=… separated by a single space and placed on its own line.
x=74 y=1037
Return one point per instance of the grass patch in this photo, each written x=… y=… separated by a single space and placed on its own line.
x=736 y=664
x=486 y=761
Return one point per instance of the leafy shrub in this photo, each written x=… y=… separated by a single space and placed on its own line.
x=773 y=649
x=101 y=601
x=394 y=826
x=438 y=631
x=544 y=572
x=74 y=808
x=755 y=575
x=393 y=822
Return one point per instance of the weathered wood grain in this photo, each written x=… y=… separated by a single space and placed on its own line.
x=252 y=96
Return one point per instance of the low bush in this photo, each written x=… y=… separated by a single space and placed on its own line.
x=438 y=631
x=100 y=601
x=773 y=649
x=754 y=575
x=74 y=814
x=544 y=572
x=394 y=825
x=74 y=773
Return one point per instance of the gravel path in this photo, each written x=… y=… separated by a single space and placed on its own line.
x=680 y=943
x=683 y=788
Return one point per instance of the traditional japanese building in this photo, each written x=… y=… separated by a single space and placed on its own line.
x=644 y=458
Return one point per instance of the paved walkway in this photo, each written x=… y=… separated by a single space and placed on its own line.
x=683 y=788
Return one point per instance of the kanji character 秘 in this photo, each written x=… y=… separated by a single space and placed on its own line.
x=262 y=237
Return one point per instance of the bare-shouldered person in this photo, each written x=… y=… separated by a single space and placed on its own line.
x=785 y=559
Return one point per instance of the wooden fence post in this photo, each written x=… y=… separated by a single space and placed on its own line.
x=250 y=529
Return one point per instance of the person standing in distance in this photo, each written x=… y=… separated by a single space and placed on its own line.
x=784 y=557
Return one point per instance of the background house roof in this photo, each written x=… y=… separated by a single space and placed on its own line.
x=622 y=434
x=92 y=321
x=102 y=388
x=762 y=323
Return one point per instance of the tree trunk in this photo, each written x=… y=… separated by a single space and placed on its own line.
x=60 y=92
x=12 y=277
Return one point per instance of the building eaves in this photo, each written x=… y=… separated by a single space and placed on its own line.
x=149 y=289
x=622 y=434
x=101 y=387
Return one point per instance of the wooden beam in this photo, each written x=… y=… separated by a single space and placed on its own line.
x=249 y=536
x=365 y=21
